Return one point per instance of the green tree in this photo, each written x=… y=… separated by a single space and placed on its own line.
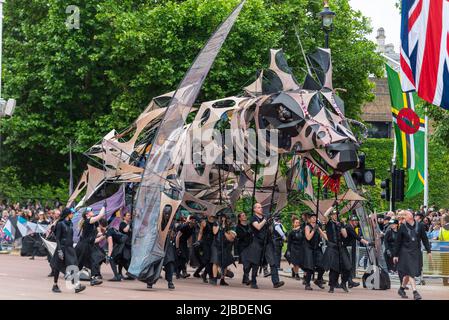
x=80 y=83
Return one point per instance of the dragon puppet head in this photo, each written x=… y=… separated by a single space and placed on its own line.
x=309 y=118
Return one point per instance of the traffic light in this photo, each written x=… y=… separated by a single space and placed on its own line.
x=398 y=184
x=385 y=185
x=362 y=176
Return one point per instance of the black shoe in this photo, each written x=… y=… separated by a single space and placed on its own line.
x=196 y=274
x=185 y=275
x=319 y=284
x=149 y=286
x=178 y=276
x=99 y=277
x=246 y=281
x=344 y=287
x=278 y=284
x=171 y=286
x=308 y=287
x=32 y=258
x=129 y=276
x=353 y=284
x=223 y=283
x=254 y=286
x=416 y=295
x=331 y=290
x=95 y=282
x=115 y=279
x=56 y=289
x=338 y=286
x=79 y=288
x=204 y=277
x=297 y=277
x=213 y=281
x=402 y=293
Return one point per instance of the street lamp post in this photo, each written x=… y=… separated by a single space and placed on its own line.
x=6 y=107
x=327 y=20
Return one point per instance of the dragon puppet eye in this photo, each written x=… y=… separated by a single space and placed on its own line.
x=285 y=115
x=321 y=134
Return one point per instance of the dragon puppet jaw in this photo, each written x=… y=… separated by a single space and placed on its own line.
x=330 y=181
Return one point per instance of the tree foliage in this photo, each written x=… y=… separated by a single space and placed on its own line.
x=78 y=84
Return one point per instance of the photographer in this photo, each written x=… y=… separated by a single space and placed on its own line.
x=351 y=241
x=261 y=248
x=222 y=256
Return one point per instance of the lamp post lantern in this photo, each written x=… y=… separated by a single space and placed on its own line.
x=327 y=21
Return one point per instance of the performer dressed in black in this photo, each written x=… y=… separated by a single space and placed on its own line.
x=261 y=249
x=37 y=244
x=408 y=254
x=295 y=247
x=85 y=249
x=221 y=255
x=125 y=228
x=350 y=241
x=65 y=255
x=243 y=240
x=313 y=255
x=182 y=249
x=336 y=257
x=389 y=242
x=50 y=236
x=116 y=247
x=205 y=239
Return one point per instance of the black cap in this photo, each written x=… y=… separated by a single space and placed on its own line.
x=393 y=221
x=354 y=218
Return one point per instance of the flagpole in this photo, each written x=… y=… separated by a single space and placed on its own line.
x=393 y=166
x=426 y=162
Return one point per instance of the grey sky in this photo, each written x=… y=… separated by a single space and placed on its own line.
x=382 y=13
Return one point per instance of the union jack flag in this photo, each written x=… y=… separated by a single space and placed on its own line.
x=425 y=49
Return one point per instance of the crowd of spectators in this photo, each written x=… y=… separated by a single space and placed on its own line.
x=36 y=212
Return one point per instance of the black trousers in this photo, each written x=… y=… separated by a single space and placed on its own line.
x=389 y=260
x=333 y=277
x=169 y=270
x=274 y=273
x=309 y=273
x=278 y=252
x=353 y=262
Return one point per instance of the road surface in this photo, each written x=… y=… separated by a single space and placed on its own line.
x=21 y=278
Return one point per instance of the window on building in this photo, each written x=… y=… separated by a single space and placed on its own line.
x=379 y=129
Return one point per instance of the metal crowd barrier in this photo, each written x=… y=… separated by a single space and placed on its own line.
x=437 y=268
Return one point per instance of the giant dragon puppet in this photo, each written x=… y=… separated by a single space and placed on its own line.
x=311 y=130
